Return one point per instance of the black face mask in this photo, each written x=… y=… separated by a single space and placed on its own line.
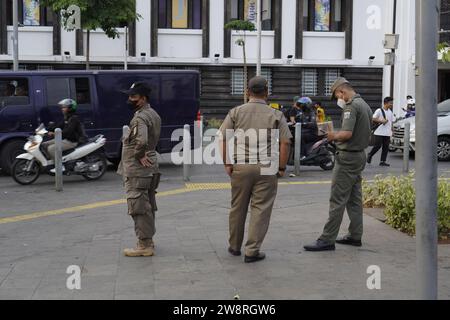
x=133 y=105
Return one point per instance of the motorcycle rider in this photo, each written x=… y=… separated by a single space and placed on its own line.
x=410 y=109
x=306 y=115
x=72 y=130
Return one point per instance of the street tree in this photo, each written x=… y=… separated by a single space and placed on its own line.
x=242 y=26
x=107 y=15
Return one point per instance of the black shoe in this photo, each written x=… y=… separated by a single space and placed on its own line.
x=384 y=164
x=369 y=159
x=235 y=253
x=349 y=241
x=320 y=245
x=260 y=256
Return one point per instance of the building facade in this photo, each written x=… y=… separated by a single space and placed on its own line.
x=306 y=45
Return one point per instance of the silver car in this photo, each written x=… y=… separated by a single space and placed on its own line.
x=443 y=130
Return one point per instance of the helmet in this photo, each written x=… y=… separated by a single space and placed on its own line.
x=305 y=101
x=70 y=103
x=411 y=101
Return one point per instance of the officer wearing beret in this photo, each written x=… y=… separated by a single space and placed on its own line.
x=346 y=188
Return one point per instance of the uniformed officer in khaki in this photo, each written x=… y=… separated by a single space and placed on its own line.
x=346 y=188
x=249 y=184
x=139 y=168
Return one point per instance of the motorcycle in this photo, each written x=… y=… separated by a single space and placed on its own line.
x=87 y=160
x=318 y=153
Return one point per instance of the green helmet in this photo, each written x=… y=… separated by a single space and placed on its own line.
x=70 y=103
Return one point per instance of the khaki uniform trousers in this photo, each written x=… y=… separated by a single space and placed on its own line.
x=346 y=193
x=141 y=202
x=248 y=186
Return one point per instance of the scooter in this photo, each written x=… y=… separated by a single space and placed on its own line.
x=319 y=153
x=87 y=160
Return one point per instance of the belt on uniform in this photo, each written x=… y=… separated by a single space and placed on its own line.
x=352 y=151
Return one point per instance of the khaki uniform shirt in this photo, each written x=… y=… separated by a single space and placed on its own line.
x=145 y=129
x=357 y=118
x=253 y=119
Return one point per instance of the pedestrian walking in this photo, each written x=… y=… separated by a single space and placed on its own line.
x=139 y=168
x=249 y=183
x=346 y=187
x=384 y=118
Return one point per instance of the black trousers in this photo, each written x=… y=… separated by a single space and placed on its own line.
x=381 y=142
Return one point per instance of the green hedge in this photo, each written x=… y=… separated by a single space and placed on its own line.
x=397 y=195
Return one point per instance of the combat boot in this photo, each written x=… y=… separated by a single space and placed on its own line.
x=143 y=249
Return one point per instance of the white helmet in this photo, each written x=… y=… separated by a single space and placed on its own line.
x=411 y=101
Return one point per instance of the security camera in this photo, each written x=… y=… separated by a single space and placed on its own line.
x=216 y=57
x=371 y=58
x=143 y=56
x=67 y=55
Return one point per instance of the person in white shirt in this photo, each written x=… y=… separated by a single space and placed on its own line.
x=385 y=118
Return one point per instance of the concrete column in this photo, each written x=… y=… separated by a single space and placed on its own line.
x=143 y=28
x=216 y=22
x=405 y=69
x=289 y=8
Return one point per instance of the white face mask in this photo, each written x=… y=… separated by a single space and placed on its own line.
x=341 y=103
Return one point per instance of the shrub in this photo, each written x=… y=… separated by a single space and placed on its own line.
x=214 y=123
x=397 y=196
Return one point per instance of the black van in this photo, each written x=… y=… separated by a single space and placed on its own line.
x=30 y=98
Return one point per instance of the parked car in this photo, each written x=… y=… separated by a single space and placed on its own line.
x=443 y=134
x=28 y=99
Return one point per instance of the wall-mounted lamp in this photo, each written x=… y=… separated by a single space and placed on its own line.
x=143 y=56
x=289 y=59
x=216 y=58
x=371 y=60
x=67 y=55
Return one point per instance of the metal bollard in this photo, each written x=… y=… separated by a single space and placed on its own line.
x=58 y=161
x=298 y=145
x=186 y=151
x=406 y=141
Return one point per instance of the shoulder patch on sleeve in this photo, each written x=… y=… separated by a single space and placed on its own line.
x=347 y=114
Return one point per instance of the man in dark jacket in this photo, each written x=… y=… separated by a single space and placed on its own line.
x=72 y=131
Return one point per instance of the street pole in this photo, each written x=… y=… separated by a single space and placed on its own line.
x=186 y=152
x=126 y=49
x=406 y=150
x=258 y=25
x=58 y=160
x=16 y=35
x=427 y=18
x=297 y=148
x=394 y=31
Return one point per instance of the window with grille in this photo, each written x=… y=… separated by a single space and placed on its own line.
x=237 y=80
x=331 y=75
x=309 y=82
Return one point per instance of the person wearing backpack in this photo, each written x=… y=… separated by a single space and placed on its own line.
x=384 y=118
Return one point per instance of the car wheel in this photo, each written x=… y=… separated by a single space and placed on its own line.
x=443 y=148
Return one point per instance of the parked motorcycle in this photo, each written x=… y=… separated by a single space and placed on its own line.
x=87 y=160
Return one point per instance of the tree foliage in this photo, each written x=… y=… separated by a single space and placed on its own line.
x=99 y=14
x=444 y=49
